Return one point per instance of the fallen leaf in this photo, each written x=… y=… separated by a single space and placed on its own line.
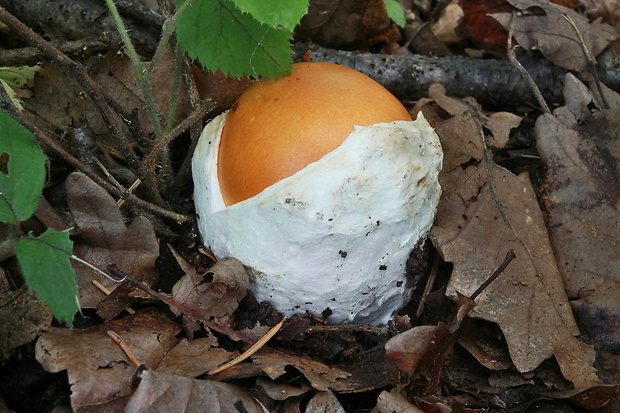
x=324 y=401
x=98 y=369
x=214 y=294
x=281 y=391
x=607 y=10
x=481 y=28
x=194 y=358
x=389 y=402
x=348 y=24
x=561 y=34
x=104 y=239
x=160 y=392
x=22 y=317
x=582 y=203
x=60 y=96
x=320 y=376
x=406 y=349
x=485 y=211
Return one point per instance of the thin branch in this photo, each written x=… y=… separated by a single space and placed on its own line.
x=51 y=144
x=91 y=88
x=591 y=60
x=512 y=58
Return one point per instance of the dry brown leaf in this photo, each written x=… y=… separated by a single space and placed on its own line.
x=160 y=392
x=214 y=294
x=345 y=24
x=105 y=240
x=607 y=10
x=581 y=152
x=194 y=358
x=320 y=376
x=500 y=124
x=490 y=355
x=324 y=402
x=484 y=212
x=114 y=74
x=560 y=34
x=406 y=349
x=22 y=317
x=99 y=371
x=389 y=402
x=281 y=391
x=60 y=97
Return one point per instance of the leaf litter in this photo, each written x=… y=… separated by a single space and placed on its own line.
x=563 y=263
x=492 y=207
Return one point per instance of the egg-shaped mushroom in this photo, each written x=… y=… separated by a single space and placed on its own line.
x=321 y=184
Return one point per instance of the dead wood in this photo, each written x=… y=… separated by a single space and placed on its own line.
x=491 y=82
x=88 y=19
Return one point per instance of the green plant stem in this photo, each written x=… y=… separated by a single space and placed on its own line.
x=174 y=95
x=94 y=268
x=136 y=65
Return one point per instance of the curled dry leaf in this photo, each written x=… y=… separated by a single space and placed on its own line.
x=104 y=239
x=408 y=348
x=485 y=211
x=582 y=201
x=561 y=34
x=160 y=392
x=98 y=369
x=320 y=376
x=214 y=294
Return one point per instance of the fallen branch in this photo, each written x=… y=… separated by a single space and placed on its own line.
x=490 y=81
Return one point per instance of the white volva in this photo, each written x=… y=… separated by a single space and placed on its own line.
x=336 y=235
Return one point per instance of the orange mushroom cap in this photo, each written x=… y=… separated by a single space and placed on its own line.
x=277 y=127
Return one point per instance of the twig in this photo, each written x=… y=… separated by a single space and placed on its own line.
x=181 y=307
x=510 y=255
x=512 y=58
x=126 y=349
x=165 y=140
x=108 y=292
x=591 y=60
x=91 y=88
x=51 y=144
x=468 y=303
x=429 y=285
x=253 y=349
x=32 y=55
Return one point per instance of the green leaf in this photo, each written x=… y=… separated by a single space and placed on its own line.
x=396 y=12
x=226 y=39
x=275 y=13
x=22 y=171
x=45 y=263
x=17 y=76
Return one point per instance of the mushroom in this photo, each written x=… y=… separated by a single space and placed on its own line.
x=321 y=184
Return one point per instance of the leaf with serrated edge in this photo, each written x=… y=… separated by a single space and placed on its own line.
x=45 y=263
x=274 y=13
x=223 y=38
x=23 y=176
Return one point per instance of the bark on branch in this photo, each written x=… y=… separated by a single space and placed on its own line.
x=493 y=82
